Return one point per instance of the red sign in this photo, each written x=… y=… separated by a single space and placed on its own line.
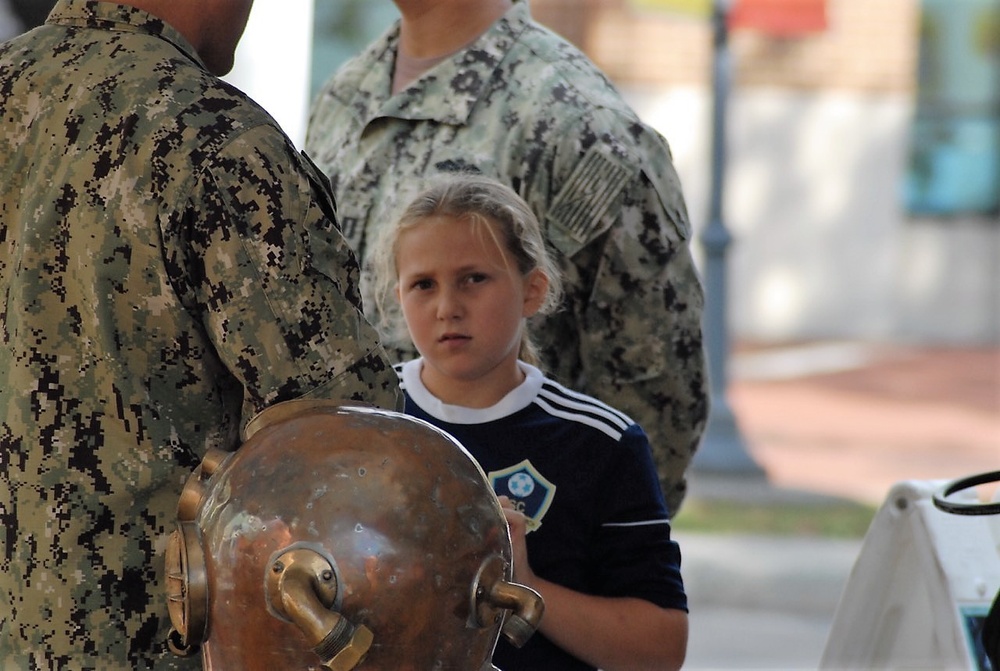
x=783 y=18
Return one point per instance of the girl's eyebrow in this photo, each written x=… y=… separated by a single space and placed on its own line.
x=469 y=267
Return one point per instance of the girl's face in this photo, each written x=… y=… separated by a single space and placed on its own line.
x=465 y=301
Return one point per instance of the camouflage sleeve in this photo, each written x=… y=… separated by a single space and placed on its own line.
x=277 y=283
x=639 y=315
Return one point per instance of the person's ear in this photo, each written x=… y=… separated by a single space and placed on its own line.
x=536 y=287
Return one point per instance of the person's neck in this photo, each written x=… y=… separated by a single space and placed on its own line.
x=483 y=392
x=432 y=28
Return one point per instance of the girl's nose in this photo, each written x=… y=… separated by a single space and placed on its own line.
x=449 y=306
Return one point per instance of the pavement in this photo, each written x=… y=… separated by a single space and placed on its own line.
x=828 y=421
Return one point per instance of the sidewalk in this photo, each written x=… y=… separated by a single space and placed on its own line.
x=877 y=416
x=826 y=421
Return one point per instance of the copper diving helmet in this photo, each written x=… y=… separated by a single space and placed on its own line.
x=343 y=537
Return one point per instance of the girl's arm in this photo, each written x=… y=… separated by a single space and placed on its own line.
x=614 y=634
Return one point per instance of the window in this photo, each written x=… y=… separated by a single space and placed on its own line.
x=954 y=166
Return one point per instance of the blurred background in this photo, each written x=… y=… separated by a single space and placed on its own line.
x=861 y=304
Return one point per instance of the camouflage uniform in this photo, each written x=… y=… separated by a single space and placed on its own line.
x=169 y=265
x=522 y=105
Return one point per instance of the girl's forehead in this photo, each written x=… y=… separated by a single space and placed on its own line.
x=470 y=219
x=453 y=239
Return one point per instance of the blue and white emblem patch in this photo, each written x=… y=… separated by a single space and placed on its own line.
x=528 y=489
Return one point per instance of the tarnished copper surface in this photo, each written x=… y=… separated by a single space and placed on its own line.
x=195 y=488
x=187 y=589
x=398 y=532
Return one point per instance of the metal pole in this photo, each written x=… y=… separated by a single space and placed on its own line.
x=722 y=449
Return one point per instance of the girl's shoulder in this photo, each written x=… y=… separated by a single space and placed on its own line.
x=573 y=406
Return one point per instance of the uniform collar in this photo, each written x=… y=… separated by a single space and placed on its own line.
x=449 y=92
x=119 y=18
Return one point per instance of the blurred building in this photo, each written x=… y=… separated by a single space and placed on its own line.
x=863 y=181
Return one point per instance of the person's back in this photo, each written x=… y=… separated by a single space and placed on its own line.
x=521 y=105
x=169 y=265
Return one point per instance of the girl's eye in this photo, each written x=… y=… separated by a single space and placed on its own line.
x=476 y=278
x=422 y=285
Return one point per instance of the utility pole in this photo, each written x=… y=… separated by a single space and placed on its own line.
x=722 y=449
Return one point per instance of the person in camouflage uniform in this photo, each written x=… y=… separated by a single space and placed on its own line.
x=522 y=105
x=169 y=266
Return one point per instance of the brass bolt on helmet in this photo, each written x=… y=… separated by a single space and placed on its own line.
x=347 y=538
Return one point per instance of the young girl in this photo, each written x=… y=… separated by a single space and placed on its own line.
x=589 y=527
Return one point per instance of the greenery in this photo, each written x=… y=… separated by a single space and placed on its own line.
x=829 y=519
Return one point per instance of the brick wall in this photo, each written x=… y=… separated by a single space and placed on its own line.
x=869 y=45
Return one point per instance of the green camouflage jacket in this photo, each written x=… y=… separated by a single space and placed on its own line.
x=524 y=106
x=169 y=265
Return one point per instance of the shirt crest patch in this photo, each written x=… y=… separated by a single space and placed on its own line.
x=528 y=489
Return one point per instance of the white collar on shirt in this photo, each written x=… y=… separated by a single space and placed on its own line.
x=517 y=399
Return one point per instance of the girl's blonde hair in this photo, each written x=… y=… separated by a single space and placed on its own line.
x=479 y=200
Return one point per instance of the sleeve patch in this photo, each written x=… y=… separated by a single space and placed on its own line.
x=581 y=205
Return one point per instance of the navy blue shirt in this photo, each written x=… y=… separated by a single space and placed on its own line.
x=583 y=473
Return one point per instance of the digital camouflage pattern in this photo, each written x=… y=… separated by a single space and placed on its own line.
x=169 y=265
x=524 y=106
